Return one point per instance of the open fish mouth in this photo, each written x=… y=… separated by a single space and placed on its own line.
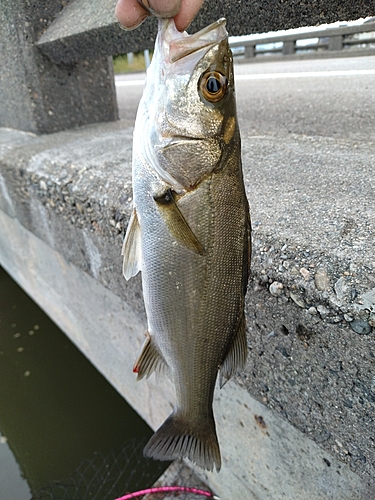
x=184 y=45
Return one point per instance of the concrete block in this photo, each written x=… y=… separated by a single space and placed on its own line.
x=38 y=95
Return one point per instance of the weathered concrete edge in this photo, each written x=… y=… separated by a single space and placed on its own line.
x=66 y=174
x=263 y=456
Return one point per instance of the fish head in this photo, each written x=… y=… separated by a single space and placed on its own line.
x=189 y=103
x=197 y=78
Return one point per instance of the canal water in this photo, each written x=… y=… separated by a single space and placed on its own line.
x=65 y=433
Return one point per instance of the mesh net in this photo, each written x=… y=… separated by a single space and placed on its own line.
x=179 y=474
x=112 y=475
x=106 y=476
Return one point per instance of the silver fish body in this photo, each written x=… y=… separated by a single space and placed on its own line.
x=190 y=233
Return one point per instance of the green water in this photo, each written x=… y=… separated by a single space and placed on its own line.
x=61 y=422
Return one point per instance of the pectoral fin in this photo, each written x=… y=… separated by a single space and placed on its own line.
x=236 y=357
x=131 y=249
x=177 y=223
x=149 y=360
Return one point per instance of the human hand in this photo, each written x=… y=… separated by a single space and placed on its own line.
x=132 y=13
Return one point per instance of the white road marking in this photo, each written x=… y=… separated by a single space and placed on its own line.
x=306 y=74
x=275 y=76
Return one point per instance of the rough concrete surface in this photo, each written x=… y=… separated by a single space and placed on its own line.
x=311 y=300
x=87 y=28
x=37 y=95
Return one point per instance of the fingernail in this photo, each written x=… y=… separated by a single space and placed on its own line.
x=133 y=26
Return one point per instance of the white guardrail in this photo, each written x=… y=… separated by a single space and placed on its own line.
x=358 y=39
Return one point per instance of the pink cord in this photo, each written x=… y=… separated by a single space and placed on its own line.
x=165 y=489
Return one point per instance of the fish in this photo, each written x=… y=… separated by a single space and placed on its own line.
x=190 y=233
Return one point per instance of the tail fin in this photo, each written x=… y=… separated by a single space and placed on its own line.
x=177 y=439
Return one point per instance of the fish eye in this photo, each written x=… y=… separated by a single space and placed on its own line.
x=213 y=86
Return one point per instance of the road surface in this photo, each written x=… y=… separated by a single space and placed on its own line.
x=317 y=97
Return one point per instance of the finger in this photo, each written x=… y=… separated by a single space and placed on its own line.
x=163 y=8
x=189 y=9
x=130 y=13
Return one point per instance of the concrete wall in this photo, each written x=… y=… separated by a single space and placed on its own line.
x=38 y=95
x=299 y=421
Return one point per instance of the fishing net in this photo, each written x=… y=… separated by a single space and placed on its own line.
x=111 y=475
x=178 y=474
x=105 y=476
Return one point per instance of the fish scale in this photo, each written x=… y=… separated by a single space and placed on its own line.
x=189 y=234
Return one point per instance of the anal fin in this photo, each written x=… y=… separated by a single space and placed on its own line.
x=237 y=355
x=149 y=360
x=131 y=249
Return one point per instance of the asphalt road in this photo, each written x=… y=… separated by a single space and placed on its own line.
x=317 y=97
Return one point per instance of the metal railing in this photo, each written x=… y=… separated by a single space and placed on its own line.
x=312 y=42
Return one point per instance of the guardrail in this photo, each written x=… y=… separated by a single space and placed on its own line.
x=329 y=41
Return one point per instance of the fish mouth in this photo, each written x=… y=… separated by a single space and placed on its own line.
x=205 y=38
x=172 y=139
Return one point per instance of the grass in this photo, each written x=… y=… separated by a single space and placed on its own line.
x=121 y=63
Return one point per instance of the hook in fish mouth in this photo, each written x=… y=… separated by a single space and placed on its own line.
x=205 y=38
